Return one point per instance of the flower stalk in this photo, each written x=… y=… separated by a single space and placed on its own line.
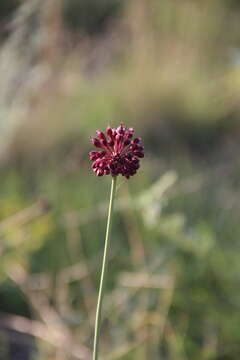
x=118 y=153
x=104 y=268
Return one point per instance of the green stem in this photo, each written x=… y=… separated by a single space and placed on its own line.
x=104 y=263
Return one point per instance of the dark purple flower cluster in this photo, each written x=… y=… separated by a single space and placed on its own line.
x=119 y=153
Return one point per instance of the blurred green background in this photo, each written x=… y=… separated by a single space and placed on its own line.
x=170 y=69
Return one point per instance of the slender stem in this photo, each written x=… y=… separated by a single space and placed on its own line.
x=104 y=264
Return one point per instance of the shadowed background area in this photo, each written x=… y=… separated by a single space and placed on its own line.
x=171 y=70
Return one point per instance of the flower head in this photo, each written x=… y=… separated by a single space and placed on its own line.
x=118 y=153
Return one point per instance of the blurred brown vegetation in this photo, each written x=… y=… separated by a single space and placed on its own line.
x=171 y=69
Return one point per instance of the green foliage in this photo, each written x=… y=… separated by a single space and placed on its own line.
x=172 y=289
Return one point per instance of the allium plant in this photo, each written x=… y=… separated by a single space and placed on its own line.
x=118 y=154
